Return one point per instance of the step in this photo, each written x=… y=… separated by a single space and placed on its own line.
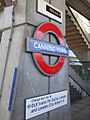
x=68 y=16
x=69 y=24
x=79 y=49
x=77 y=45
x=69 y=29
x=75 y=41
x=75 y=37
x=74 y=94
x=72 y=33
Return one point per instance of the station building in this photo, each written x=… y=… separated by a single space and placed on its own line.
x=44 y=59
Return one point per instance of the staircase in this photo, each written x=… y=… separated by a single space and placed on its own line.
x=78 y=88
x=75 y=37
x=74 y=93
x=78 y=43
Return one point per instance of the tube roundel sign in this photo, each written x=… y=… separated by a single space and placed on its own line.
x=40 y=47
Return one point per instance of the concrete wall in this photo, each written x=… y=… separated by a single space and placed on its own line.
x=85 y=56
x=10 y=52
x=30 y=81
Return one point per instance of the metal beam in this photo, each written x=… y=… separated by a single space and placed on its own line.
x=82 y=6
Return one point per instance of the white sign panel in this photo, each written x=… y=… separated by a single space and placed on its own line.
x=49 y=10
x=42 y=104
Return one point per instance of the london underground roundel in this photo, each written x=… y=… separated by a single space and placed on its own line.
x=42 y=30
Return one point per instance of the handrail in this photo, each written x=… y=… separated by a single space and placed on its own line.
x=77 y=23
x=79 y=81
x=85 y=76
x=83 y=66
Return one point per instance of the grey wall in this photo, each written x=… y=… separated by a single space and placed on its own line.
x=30 y=81
x=84 y=56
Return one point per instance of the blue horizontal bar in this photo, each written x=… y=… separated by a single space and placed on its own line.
x=34 y=45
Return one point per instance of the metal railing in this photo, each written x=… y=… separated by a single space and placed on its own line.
x=81 y=69
x=78 y=80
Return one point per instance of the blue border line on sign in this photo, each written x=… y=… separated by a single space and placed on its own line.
x=12 y=89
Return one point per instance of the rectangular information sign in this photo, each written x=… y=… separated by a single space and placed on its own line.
x=42 y=104
x=49 y=10
x=34 y=45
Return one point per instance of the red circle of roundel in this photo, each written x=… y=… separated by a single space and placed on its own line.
x=39 y=33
